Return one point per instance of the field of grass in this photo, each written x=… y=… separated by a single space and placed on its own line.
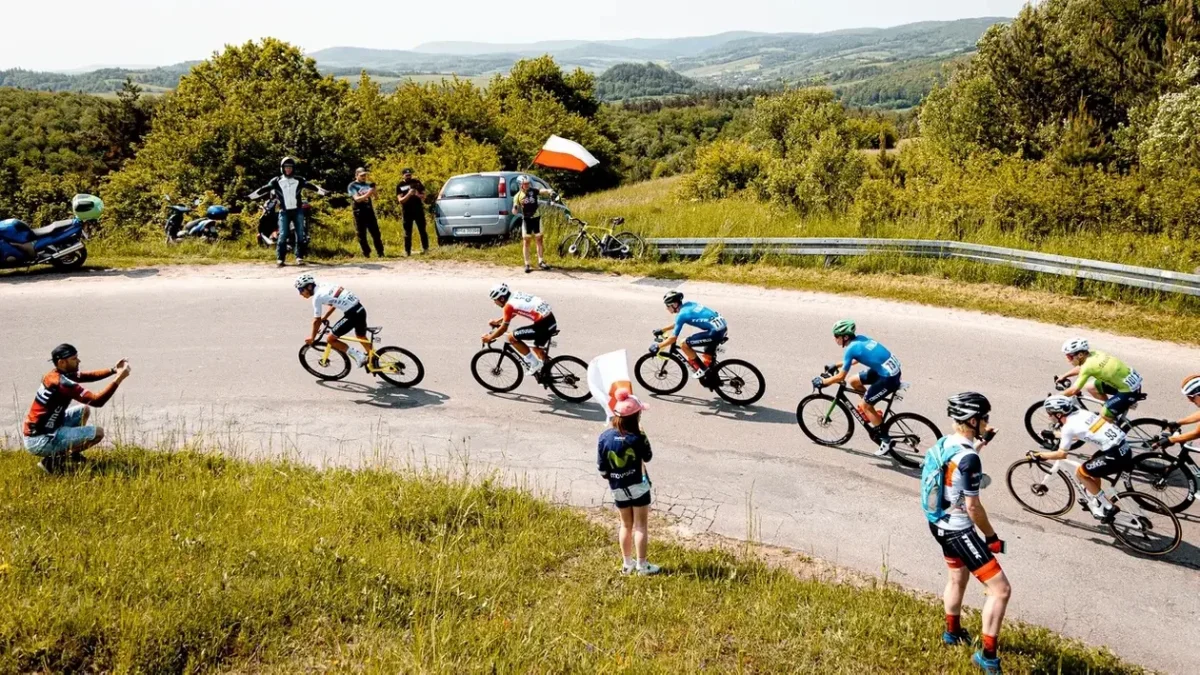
x=180 y=562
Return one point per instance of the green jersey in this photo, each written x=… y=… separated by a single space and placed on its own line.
x=1108 y=369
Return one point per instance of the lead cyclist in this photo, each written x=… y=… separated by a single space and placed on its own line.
x=1112 y=382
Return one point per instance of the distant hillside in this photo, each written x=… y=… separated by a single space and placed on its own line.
x=645 y=48
x=103 y=81
x=628 y=81
x=894 y=86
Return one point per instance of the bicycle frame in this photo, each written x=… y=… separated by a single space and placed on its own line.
x=368 y=343
x=1073 y=475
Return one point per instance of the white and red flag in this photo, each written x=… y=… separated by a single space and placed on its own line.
x=560 y=153
x=607 y=374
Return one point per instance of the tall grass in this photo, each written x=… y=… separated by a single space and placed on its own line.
x=160 y=562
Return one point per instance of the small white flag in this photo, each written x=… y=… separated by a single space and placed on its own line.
x=608 y=373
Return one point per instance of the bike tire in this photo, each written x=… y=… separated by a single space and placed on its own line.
x=583 y=246
x=328 y=371
x=406 y=370
x=658 y=376
x=1037 y=482
x=731 y=379
x=637 y=245
x=1036 y=421
x=1143 y=431
x=818 y=412
x=911 y=435
x=1163 y=477
x=1153 y=517
x=493 y=368
x=567 y=378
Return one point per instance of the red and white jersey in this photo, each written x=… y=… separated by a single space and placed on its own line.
x=529 y=306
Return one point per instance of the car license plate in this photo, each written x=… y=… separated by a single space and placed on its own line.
x=467 y=231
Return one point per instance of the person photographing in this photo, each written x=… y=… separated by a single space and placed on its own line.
x=410 y=194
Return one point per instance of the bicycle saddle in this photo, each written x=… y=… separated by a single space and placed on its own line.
x=374 y=330
x=618 y=220
x=554 y=332
x=1140 y=396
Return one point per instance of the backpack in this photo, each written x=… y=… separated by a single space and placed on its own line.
x=933 y=481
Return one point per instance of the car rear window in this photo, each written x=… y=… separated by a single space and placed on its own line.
x=471 y=187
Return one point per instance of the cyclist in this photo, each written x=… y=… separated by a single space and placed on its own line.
x=56 y=431
x=712 y=325
x=526 y=205
x=354 y=316
x=285 y=189
x=1113 y=457
x=953 y=525
x=881 y=377
x=531 y=307
x=1191 y=391
x=1113 y=382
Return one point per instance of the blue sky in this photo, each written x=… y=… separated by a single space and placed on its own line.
x=69 y=34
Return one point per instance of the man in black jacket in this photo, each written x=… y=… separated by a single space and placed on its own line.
x=411 y=195
x=362 y=191
x=286 y=189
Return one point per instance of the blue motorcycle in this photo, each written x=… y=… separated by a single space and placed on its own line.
x=61 y=243
x=205 y=228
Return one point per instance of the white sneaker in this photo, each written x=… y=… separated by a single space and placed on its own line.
x=359 y=356
x=626 y=570
x=885 y=447
x=299 y=261
x=699 y=373
x=533 y=364
x=648 y=569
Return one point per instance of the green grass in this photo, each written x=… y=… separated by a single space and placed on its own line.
x=180 y=562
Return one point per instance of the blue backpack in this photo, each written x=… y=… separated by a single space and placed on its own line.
x=933 y=480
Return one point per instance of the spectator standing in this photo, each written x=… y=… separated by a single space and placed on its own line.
x=623 y=451
x=362 y=191
x=286 y=189
x=527 y=205
x=410 y=193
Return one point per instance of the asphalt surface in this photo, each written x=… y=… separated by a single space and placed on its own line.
x=214 y=363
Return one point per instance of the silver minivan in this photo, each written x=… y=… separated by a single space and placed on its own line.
x=477 y=206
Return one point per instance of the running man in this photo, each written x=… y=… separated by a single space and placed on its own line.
x=1113 y=456
x=881 y=377
x=544 y=325
x=1113 y=382
x=354 y=316
x=713 y=329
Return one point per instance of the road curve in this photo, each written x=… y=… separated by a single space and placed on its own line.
x=214 y=357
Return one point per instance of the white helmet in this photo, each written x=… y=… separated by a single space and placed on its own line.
x=303 y=280
x=522 y=179
x=1191 y=386
x=500 y=292
x=1059 y=405
x=1074 y=346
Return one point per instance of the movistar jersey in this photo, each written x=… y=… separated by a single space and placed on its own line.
x=871 y=354
x=620 y=457
x=695 y=314
x=1110 y=370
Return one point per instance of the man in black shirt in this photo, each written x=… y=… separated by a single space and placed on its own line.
x=362 y=192
x=411 y=195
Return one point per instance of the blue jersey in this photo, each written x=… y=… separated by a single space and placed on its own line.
x=872 y=355
x=695 y=314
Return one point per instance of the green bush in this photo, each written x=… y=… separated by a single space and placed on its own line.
x=433 y=165
x=723 y=169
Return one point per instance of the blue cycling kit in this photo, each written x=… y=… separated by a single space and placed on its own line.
x=872 y=355
x=709 y=322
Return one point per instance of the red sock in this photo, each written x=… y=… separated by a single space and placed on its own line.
x=953 y=623
x=989 y=646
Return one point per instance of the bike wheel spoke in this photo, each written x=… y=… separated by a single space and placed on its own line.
x=1039 y=488
x=1145 y=524
x=1162 y=477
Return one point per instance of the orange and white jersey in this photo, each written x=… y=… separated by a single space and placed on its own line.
x=529 y=306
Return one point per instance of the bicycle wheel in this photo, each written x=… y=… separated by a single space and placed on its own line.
x=825 y=420
x=312 y=357
x=1037 y=422
x=1161 y=475
x=578 y=241
x=1037 y=489
x=497 y=370
x=661 y=376
x=567 y=377
x=637 y=245
x=1143 y=431
x=1145 y=524
x=399 y=366
x=911 y=435
x=738 y=382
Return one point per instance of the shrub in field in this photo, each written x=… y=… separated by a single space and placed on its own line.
x=723 y=169
x=433 y=165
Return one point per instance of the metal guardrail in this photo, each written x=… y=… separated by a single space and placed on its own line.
x=1045 y=263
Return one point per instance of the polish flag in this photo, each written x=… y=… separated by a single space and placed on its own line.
x=559 y=153
x=608 y=373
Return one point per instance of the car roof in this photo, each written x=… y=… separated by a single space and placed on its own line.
x=496 y=173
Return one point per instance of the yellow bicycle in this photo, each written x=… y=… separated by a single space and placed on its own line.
x=395 y=365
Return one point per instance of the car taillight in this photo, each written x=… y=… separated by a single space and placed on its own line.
x=503 y=188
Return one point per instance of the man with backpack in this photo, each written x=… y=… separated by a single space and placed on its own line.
x=950 y=484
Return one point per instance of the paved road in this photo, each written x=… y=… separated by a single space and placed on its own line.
x=214 y=352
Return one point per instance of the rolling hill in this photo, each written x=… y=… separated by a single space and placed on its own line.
x=628 y=81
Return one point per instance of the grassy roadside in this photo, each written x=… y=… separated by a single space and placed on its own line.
x=182 y=562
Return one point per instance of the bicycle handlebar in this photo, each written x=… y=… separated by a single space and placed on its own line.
x=1062 y=385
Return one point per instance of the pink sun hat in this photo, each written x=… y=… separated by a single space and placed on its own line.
x=627 y=404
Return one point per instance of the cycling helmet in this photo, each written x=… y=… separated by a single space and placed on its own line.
x=1191 y=386
x=304 y=280
x=287 y=161
x=500 y=292
x=522 y=180
x=844 y=327
x=1059 y=405
x=1074 y=346
x=967 y=406
x=673 y=298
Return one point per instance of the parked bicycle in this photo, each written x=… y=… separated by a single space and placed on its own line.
x=394 y=364
x=1174 y=479
x=829 y=420
x=500 y=370
x=1141 y=522
x=1044 y=431
x=582 y=240
x=734 y=380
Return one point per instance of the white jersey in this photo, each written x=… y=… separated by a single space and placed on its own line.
x=332 y=294
x=1083 y=425
x=529 y=306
